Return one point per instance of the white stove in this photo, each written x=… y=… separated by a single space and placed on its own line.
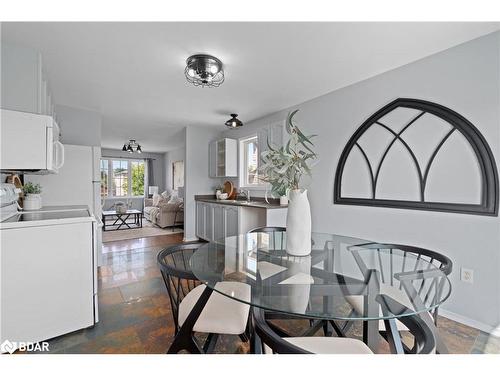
x=48 y=263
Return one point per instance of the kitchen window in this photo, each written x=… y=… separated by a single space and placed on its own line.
x=249 y=162
x=122 y=178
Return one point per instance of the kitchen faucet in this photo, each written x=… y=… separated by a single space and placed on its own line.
x=246 y=193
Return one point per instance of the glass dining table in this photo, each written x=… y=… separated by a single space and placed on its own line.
x=343 y=279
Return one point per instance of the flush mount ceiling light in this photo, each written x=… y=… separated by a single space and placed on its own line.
x=204 y=71
x=132 y=146
x=233 y=122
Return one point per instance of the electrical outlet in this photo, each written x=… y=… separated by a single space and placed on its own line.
x=467 y=275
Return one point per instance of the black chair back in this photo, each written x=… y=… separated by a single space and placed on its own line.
x=276 y=235
x=177 y=274
x=424 y=342
x=413 y=258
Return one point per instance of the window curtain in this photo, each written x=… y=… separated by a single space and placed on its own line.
x=150 y=180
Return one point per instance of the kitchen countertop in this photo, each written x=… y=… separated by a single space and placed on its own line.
x=256 y=202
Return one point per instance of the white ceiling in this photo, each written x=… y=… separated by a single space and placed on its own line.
x=133 y=73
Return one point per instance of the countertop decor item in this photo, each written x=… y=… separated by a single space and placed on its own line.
x=233 y=122
x=204 y=70
x=16 y=181
x=284 y=167
x=32 y=197
x=229 y=189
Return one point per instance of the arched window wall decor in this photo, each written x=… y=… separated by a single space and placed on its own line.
x=415 y=154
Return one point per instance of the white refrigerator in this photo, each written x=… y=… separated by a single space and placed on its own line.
x=77 y=183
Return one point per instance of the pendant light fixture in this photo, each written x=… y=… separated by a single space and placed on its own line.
x=233 y=122
x=204 y=70
x=132 y=146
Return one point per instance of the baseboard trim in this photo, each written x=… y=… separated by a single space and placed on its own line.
x=190 y=239
x=495 y=331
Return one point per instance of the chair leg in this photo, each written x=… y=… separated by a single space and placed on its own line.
x=184 y=339
x=337 y=329
x=243 y=337
x=210 y=342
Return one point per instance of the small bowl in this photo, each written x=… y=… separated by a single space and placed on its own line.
x=223 y=196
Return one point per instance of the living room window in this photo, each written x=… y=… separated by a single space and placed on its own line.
x=122 y=178
x=249 y=162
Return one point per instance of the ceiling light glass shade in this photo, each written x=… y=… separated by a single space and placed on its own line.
x=233 y=122
x=204 y=71
x=132 y=146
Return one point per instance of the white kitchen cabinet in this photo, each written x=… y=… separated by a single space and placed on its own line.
x=200 y=219
x=21 y=77
x=215 y=221
x=231 y=220
x=223 y=156
x=209 y=222
x=47 y=280
x=25 y=86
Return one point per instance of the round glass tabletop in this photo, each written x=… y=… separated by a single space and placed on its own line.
x=343 y=278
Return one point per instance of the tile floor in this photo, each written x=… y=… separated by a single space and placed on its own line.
x=135 y=312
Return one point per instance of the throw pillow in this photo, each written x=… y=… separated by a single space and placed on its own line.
x=166 y=195
x=174 y=198
x=156 y=199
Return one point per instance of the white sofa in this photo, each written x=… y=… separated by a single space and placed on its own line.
x=164 y=214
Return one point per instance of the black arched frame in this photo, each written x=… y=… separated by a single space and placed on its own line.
x=489 y=183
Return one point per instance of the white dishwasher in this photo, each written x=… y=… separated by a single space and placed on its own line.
x=48 y=273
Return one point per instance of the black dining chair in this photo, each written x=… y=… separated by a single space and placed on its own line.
x=413 y=258
x=277 y=241
x=273 y=340
x=220 y=315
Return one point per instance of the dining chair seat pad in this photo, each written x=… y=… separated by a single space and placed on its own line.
x=330 y=345
x=221 y=314
x=391 y=291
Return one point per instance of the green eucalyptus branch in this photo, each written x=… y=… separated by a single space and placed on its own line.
x=283 y=167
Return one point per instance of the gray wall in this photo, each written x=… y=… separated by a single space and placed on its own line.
x=79 y=126
x=465 y=79
x=170 y=157
x=196 y=180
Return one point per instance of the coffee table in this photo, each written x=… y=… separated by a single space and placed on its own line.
x=120 y=220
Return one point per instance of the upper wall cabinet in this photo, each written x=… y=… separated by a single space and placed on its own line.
x=223 y=158
x=24 y=86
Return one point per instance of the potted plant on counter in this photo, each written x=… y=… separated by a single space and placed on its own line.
x=284 y=167
x=32 y=197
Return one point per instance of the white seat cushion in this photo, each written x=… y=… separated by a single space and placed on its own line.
x=330 y=345
x=391 y=291
x=221 y=314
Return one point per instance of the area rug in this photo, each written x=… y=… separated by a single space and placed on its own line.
x=147 y=230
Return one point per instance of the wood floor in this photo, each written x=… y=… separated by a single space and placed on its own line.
x=135 y=316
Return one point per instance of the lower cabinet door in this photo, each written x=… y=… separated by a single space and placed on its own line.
x=231 y=221
x=219 y=232
x=200 y=220
x=209 y=222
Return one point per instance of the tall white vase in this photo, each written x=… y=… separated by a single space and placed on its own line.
x=298 y=224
